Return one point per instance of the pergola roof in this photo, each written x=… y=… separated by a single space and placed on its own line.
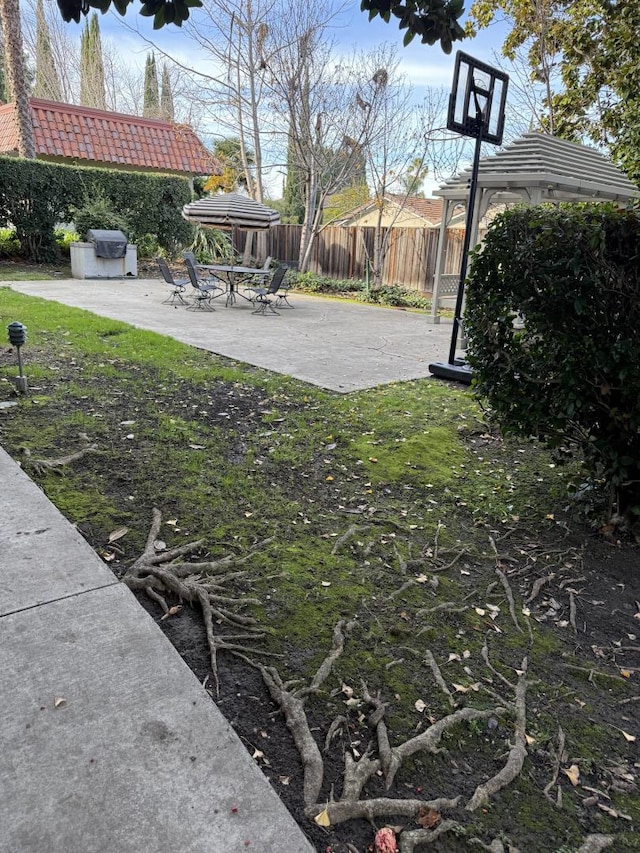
x=538 y=167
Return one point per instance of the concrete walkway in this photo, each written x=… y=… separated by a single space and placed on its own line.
x=337 y=345
x=108 y=743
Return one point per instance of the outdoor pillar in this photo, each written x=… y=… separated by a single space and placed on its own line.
x=447 y=211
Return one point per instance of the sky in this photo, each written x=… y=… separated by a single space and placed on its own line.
x=423 y=65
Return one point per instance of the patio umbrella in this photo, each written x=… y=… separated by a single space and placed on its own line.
x=229 y=210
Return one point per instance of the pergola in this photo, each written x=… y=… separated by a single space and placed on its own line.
x=535 y=168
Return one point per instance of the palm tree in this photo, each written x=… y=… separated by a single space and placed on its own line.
x=16 y=75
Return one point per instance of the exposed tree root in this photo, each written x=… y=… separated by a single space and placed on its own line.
x=560 y=757
x=596 y=843
x=290 y=698
x=437 y=674
x=517 y=753
x=44 y=466
x=410 y=839
x=159 y=573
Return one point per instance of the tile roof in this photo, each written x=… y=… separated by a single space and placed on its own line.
x=99 y=137
x=429 y=209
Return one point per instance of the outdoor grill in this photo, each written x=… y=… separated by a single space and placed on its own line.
x=105 y=254
x=108 y=244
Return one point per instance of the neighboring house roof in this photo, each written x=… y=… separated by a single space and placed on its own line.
x=92 y=137
x=427 y=210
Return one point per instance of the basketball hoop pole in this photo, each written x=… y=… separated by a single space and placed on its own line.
x=467 y=241
x=476 y=109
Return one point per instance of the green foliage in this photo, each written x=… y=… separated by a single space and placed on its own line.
x=229 y=153
x=35 y=196
x=98 y=212
x=151 y=102
x=92 y=87
x=64 y=239
x=211 y=244
x=431 y=21
x=345 y=201
x=552 y=318
x=162 y=11
x=9 y=243
x=396 y=296
x=309 y=282
x=47 y=82
x=147 y=246
x=393 y=295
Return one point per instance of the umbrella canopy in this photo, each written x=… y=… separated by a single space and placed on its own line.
x=230 y=209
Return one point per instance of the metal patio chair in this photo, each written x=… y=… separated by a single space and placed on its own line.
x=202 y=293
x=204 y=276
x=263 y=296
x=178 y=286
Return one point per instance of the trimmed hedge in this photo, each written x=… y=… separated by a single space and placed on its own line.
x=552 y=320
x=36 y=196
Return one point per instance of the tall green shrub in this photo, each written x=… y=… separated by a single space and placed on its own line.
x=35 y=196
x=553 y=319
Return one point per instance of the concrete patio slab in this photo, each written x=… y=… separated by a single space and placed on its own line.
x=334 y=344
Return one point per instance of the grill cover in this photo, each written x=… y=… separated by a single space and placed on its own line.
x=109 y=244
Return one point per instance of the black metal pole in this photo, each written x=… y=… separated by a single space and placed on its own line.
x=466 y=243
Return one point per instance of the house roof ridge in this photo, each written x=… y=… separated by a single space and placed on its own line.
x=64 y=106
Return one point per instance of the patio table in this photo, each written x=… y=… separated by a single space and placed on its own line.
x=232 y=275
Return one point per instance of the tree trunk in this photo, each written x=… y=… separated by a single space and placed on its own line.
x=16 y=77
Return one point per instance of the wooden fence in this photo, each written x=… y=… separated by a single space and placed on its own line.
x=339 y=252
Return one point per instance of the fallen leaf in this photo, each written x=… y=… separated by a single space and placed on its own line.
x=625 y=673
x=612 y=812
x=171 y=612
x=419 y=705
x=348 y=691
x=118 y=534
x=257 y=754
x=284 y=780
x=329 y=479
x=172 y=521
x=59 y=701
x=480 y=611
x=629 y=738
x=159 y=545
x=325 y=583
x=453 y=656
x=196 y=446
x=530 y=740
x=573 y=774
x=428 y=818
x=372 y=459
x=323 y=819
x=422 y=579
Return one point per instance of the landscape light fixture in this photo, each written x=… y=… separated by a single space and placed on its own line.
x=476 y=109
x=17 y=338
